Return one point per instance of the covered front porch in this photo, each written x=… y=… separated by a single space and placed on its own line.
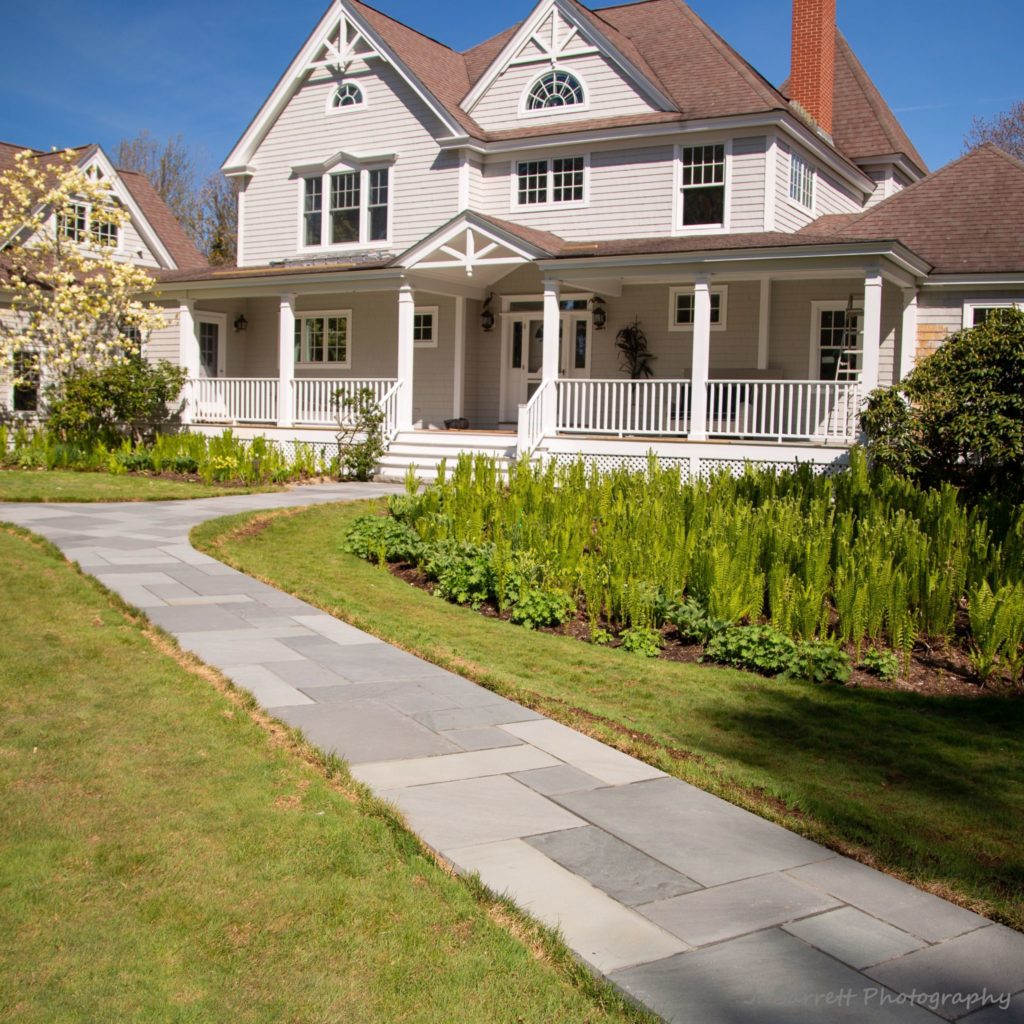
x=479 y=327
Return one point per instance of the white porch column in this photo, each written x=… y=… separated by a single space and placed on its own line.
x=459 y=371
x=872 y=331
x=188 y=354
x=406 y=354
x=701 y=358
x=285 y=359
x=764 y=316
x=908 y=332
x=550 y=354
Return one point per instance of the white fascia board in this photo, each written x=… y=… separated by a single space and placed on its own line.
x=587 y=32
x=898 y=161
x=242 y=153
x=350 y=159
x=896 y=252
x=149 y=235
x=383 y=279
x=1013 y=279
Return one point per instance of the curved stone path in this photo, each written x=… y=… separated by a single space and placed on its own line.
x=697 y=909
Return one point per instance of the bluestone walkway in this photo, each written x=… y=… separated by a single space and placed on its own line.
x=699 y=910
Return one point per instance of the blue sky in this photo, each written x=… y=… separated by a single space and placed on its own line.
x=202 y=68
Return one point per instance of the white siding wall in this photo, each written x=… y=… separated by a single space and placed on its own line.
x=394 y=120
x=830 y=196
x=748 y=158
x=134 y=248
x=163 y=343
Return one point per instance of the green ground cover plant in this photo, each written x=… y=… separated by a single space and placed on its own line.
x=931 y=789
x=859 y=558
x=169 y=854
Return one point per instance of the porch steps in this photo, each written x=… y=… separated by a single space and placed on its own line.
x=425 y=449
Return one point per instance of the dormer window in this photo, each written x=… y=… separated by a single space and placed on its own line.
x=801 y=181
x=348 y=94
x=703 y=186
x=555 y=89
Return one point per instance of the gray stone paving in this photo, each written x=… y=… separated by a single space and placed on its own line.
x=695 y=908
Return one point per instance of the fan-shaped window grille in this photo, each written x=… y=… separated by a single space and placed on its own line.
x=555 y=89
x=348 y=94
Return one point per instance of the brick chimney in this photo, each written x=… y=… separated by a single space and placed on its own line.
x=813 y=72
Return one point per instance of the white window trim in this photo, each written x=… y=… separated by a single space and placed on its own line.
x=817 y=308
x=678 y=228
x=302 y=315
x=813 y=172
x=513 y=201
x=202 y=316
x=332 y=110
x=718 y=289
x=434 y=312
x=87 y=244
x=970 y=305
x=363 y=170
x=523 y=112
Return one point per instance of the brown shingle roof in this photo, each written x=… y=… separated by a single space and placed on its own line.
x=182 y=249
x=863 y=125
x=965 y=218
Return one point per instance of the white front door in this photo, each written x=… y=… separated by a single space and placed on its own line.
x=210 y=331
x=522 y=364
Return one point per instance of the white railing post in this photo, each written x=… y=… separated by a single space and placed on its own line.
x=188 y=356
x=550 y=356
x=406 y=354
x=701 y=357
x=285 y=359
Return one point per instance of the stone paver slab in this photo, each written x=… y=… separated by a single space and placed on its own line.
x=605 y=934
x=240 y=652
x=333 y=629
x=312 y=675
x=266 y=687
x=615 y=867
x=887 y=898
x=563 y=779
x=482 y=738
x=472 y=764
x=766 y=978
x=206 y=601
x=737 y=908
x=854 y=937
x=987 y=961
x=584 y=753
x=139 y=597
x=184 y=619
x=483 y=714
x=699 y=835
x=452 y=815
x=1000 y=1011
x=365 y=731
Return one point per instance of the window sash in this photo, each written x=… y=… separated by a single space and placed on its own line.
x=380 y=190
x=559 y=180
x=322 y=338
x=72 y=222
x=358 y=207
x=533 y=182
x=312 y=210
x=703 y=185
x=686 y=303
x=801 y=181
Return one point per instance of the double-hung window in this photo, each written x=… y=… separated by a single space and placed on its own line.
x=558 y=180
x=703 y=185
x=801 y=181
x=71 y=223
x=682 y=309
x=79 y=222
x=977 y=312
x=358 y=206
x=324 y=338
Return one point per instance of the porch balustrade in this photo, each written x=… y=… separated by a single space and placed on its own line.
x=316 y=400
x=647 y=408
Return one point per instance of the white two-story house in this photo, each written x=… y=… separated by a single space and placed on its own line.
x=467 y=233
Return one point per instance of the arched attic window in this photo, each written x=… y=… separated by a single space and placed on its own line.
x=348 y=94
x=555 y=89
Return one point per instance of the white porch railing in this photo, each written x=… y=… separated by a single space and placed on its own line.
x=233 y=399
x=637 y=407
x=783 y=410
x=531 y=422
x=389 y=404
x=316 y=400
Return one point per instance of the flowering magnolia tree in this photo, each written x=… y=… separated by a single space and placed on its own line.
x=74 y=302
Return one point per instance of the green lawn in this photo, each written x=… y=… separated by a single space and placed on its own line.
x=167 y=856
x=67 y=485
x=931 y=789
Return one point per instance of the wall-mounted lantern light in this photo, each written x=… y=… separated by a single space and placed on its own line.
x=487 y=314
x=597 y=313
x=241 y=323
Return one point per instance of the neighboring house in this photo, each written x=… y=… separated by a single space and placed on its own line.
x=151 y=237
x=466 y=233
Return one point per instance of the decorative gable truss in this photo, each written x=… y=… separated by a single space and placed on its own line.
x=341 y=39
x=557 y=35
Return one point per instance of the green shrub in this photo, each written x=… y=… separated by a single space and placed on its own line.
x=997 y=630
x=360 y=433
x=760 y=649
x=382 y=539
x=642 y=640
x=534 y=607
x=463 y=572
x=881 y=663
x=130 y=400
x=819 y=661
x=693 y=622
